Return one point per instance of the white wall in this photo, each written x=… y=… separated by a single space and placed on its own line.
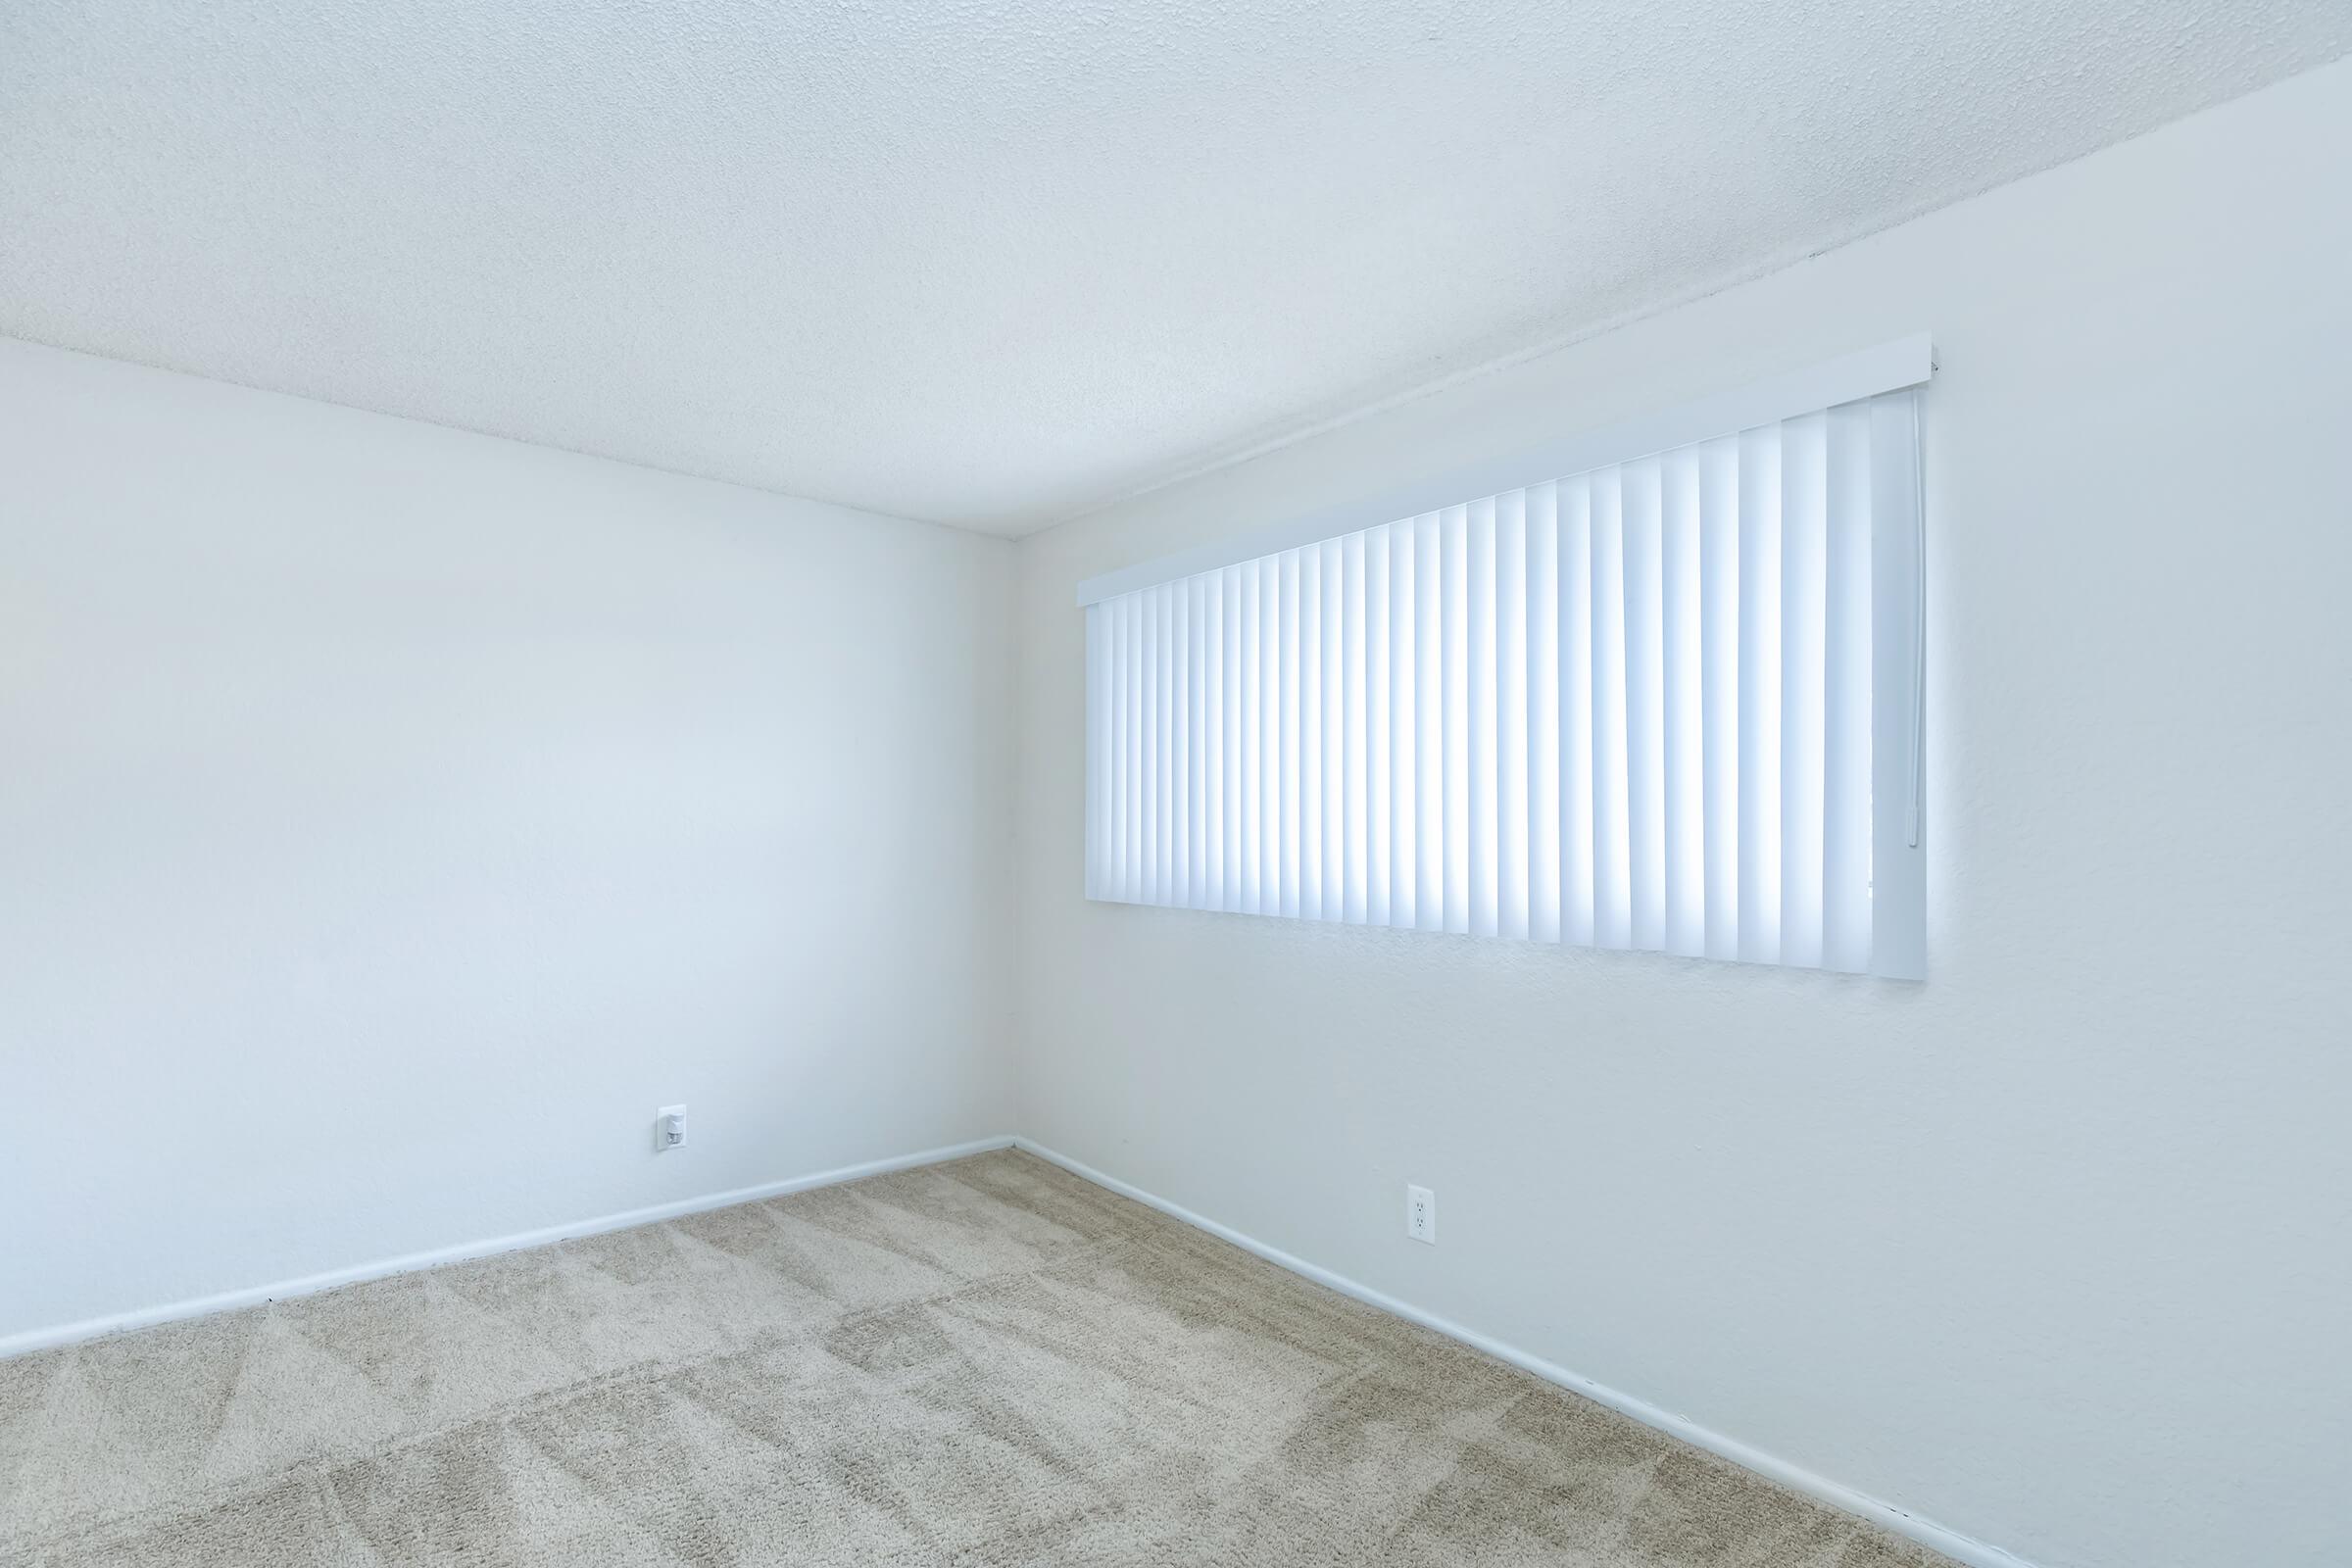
x=391 y=819
x=2052 y=1250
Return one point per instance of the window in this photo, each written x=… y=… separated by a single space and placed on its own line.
x=1662 y=691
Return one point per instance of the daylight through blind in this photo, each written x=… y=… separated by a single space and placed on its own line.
x=1666 y=703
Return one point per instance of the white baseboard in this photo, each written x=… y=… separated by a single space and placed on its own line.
x=1951 y=1543
x=311 y=1284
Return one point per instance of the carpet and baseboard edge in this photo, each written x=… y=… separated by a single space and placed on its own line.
x=1951 y=1543
x=43 y=1339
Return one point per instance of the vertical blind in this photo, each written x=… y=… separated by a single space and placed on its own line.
x=1670 y=703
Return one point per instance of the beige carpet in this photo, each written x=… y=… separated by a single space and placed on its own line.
x=987 y=1362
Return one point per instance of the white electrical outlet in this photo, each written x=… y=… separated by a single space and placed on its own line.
x=1421 y=1214
x=669 y=1127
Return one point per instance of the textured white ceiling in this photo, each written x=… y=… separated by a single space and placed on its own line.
x=990 y=262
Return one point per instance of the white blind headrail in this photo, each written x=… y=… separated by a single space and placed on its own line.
x=1885 y=367
x=1668 y=701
